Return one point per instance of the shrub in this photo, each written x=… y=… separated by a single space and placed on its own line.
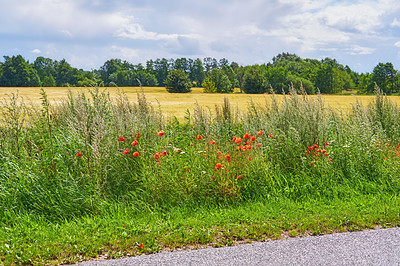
x=178 y=82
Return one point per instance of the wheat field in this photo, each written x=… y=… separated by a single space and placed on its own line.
x=176 y=104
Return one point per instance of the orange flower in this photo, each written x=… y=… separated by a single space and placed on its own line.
x=258 y=144
x=238 y=148
x=219 y=152
x=211 y=142
x=238 y=140
x=323 y=151
x=160 y=133
x=247 y=136
x=248 y=147
x=126 y=151
x=218 y=166
x=198 y=137
x=135 y=154
x=239 y=176
x=121 y=138
x=234 y=139
x=141 y=246
x=253 y=138
x=397 y=154
x=248 y=142
x=220 y=157
x=137 y=135
x=260 y=132
x=135 y=142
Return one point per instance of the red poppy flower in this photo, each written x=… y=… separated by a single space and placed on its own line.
x=137 y=135
x=141 y=246
x=228 y=158
x=135 y=142
x=238 y=140
x=157 y=156
x=260 y=132
x=247 y=136
x=78 y=154
x=198 y=137
x=233 y=139
x=121 y=139
x=249 y=158
x=258 y=144
x=326 y=143
x=331 y=160
x=135 y=154
x=325 y=154
x=253 y=138
x=220 y=157
x=397 y=154
x=248 y=147
x=191 y=144
x=239 y=176
x=188 y=170
x=211 y=142
x=164 y=153
x=323 y=151
x=219 y=152
x=160 y=133
x=218 y=166
x=126 y=151
x=270 y=136
x=212 y=177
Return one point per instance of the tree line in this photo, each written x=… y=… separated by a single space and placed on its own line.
x=179 y=75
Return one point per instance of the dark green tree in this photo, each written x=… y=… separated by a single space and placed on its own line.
x=16 y=72
x=385 y=77
x=178 y=82
x=221 y=80
x=254 y=81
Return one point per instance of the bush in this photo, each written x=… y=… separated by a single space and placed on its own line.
x=209 y=86
x=178 y=82
x=254 y=81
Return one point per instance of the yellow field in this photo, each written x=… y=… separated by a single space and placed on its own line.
x=175 y=104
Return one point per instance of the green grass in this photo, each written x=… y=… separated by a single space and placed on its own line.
x=306 y=169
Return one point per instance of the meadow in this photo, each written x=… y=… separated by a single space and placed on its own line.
x=95 y=173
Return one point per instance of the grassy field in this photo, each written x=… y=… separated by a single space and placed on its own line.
x=176 y=104
x=90 y=175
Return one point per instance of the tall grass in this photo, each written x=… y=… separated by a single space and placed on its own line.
x=305 y=151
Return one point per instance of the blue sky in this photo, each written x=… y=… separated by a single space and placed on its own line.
x=86 y=33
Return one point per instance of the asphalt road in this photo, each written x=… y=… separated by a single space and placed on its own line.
x=373 y=247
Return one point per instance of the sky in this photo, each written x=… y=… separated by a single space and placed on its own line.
x=87 y=33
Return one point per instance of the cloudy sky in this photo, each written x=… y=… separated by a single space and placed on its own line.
x=358 y=33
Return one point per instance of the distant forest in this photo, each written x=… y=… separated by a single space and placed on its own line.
x=326 y=75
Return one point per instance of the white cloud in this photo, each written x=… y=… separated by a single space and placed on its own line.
x=36 y=51
x=395 y=23
x=397 y=44
x=359 y=50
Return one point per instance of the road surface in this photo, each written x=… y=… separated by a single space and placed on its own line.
x=371 y=247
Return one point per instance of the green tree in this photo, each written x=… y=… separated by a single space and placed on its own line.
x=178 y=82
x=49 y=81
x=254 y=81
x=278 y=79
x=197 y=74
x=385 y=77
x=209 y=86
x=16 y=72
x=221 y=80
